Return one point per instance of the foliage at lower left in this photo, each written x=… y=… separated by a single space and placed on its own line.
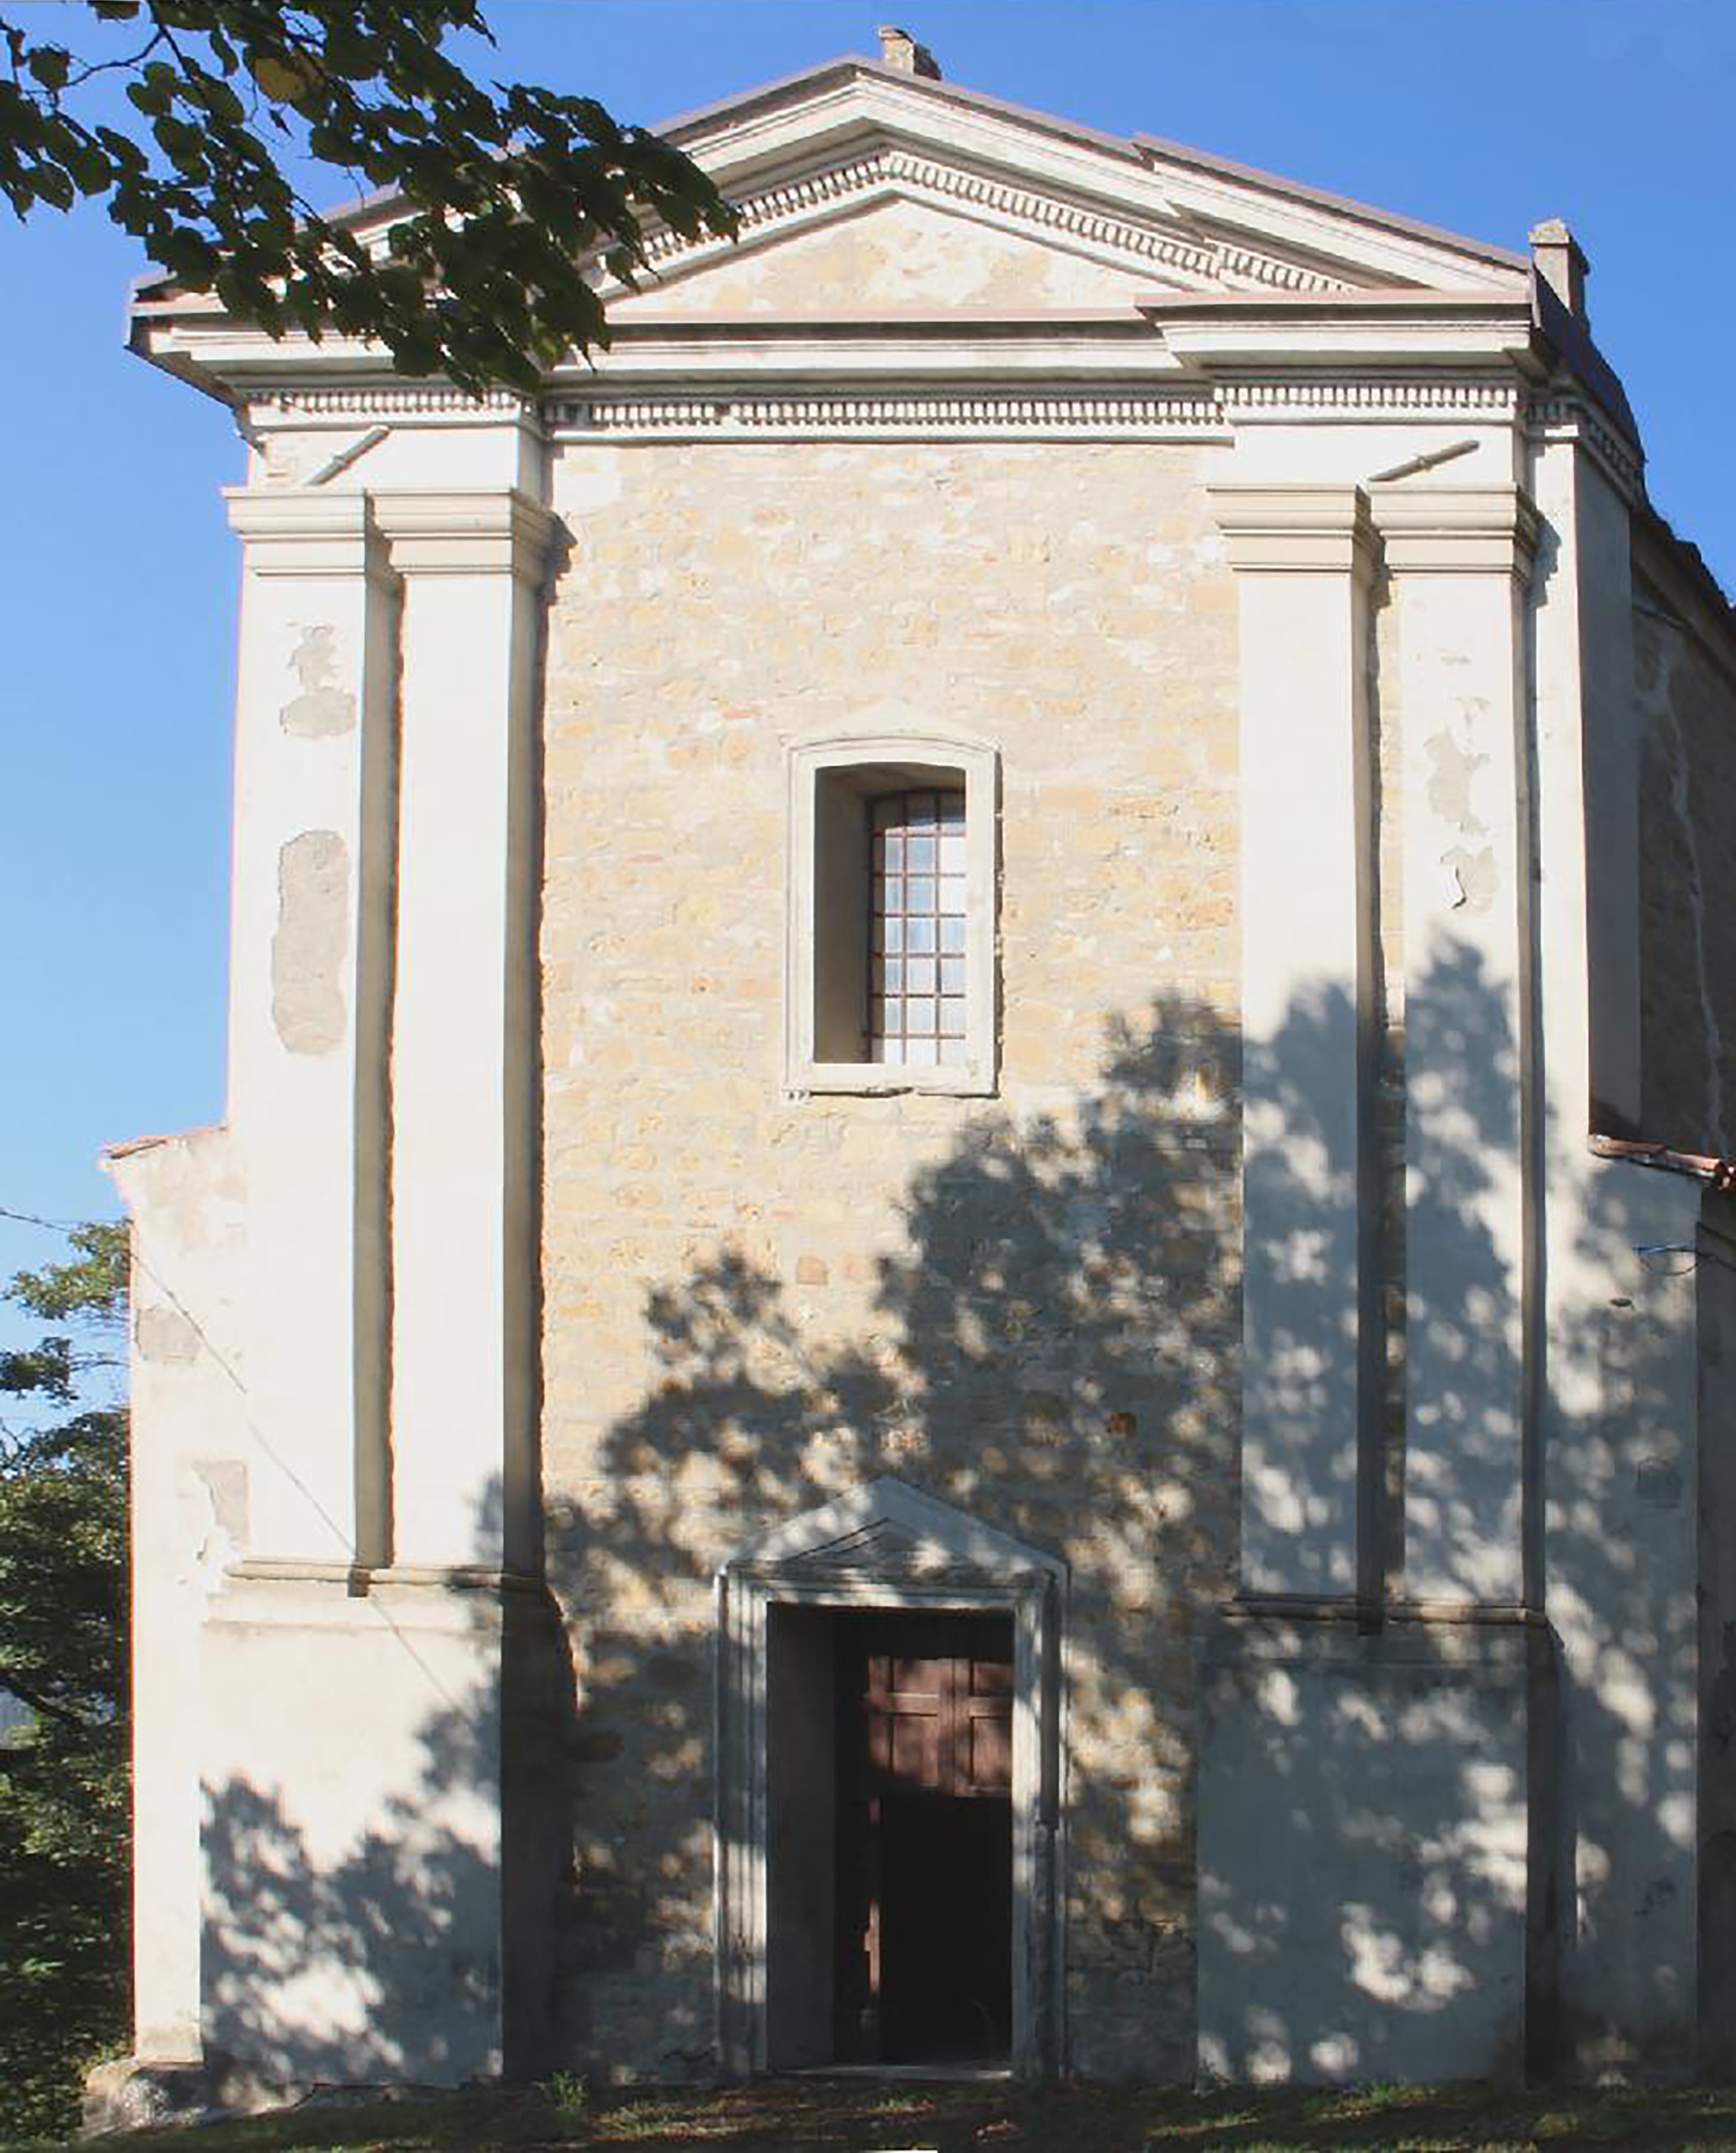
x=64 y=1788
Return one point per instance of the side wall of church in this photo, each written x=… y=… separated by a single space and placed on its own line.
x=1025 y=1305
x=1685 y=682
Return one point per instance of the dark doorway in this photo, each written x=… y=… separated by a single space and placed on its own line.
x=922 y=1924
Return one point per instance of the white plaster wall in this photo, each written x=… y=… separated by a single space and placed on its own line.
x=191 y=1489
x=1621 y=1564
x=1361 y=1852
x=350 y=1775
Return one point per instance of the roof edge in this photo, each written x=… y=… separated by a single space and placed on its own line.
x=946 y=92
x=1151 y=146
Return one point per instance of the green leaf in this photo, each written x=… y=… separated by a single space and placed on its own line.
x=281 y=77
x=217 y=97
x=501 y=182
x=53 y=187
x=51 y=65
x=150 y=98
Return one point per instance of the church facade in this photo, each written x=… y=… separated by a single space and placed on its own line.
x=968 y=1297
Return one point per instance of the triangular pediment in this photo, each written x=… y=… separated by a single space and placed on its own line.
x=860 y=187
x=889 y=1531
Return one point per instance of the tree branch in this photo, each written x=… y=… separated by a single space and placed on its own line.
x=38 y=1703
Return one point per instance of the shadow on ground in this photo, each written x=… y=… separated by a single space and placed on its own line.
x=829 y=2116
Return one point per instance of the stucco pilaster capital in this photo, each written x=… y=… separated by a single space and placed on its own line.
x=1481 y=530
x=1295 y=528
x=307 y=534
x=465 y=532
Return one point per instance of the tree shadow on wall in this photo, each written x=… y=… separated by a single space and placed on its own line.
x=1050 y=1340
x=383 y=1884
x=1467 y=1849
x=1043 y=1336
x=1043 y=1331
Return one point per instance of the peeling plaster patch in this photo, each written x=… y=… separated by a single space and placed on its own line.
x=211 y=1504
x=1474 y=879
x=165 y=1336
x=312 y=938
x=1449 y=783
x=323 y=710
x=225 y=1480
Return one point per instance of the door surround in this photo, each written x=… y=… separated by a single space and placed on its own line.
x=887 y=1546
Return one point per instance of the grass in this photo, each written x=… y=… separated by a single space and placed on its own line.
x=849 y=2116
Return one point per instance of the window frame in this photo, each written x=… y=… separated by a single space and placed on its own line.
x=827 y=908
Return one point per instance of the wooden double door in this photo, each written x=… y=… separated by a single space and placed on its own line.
x=923 y=1921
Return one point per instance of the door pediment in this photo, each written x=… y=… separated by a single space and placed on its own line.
x=887 y=1530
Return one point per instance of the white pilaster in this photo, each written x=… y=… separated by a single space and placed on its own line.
x=311 y=968
x=465 y=1180
x=1459 y=558
x=1302 y=555
x=1624 y=1430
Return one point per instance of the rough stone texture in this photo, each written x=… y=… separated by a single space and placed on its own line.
x=1025 y=1305
x=890 y=255
x=1687 y=855
x=126 y=2096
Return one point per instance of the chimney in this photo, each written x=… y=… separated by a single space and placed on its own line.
x=899 y=49
x=1557 y=257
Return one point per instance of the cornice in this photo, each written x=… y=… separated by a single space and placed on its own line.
x=311 y=531
x=1454 y=529
x=1559 y=414
x=890 y=168
x=967 y=388
x=1265 y=357
x=464 y=531
x=307 y=534
x=1295 y=529
x=1276 y=400
x=875 y=414
x=712 y=409
x=253 y=514
x=389 y=400
x=1247 y=335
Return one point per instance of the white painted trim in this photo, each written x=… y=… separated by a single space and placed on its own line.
x=808 y=762
x=938 y=1559
x=711 y=412
x=890 y=171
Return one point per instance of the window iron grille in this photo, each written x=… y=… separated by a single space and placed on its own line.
x=916 y=1005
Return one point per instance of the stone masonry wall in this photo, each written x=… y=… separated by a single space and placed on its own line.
x=1685 y=680
x=1026 y=1305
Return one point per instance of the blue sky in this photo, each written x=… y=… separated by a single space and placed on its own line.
x=117 y=595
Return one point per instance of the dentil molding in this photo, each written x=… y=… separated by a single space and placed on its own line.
x=1114 y=238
